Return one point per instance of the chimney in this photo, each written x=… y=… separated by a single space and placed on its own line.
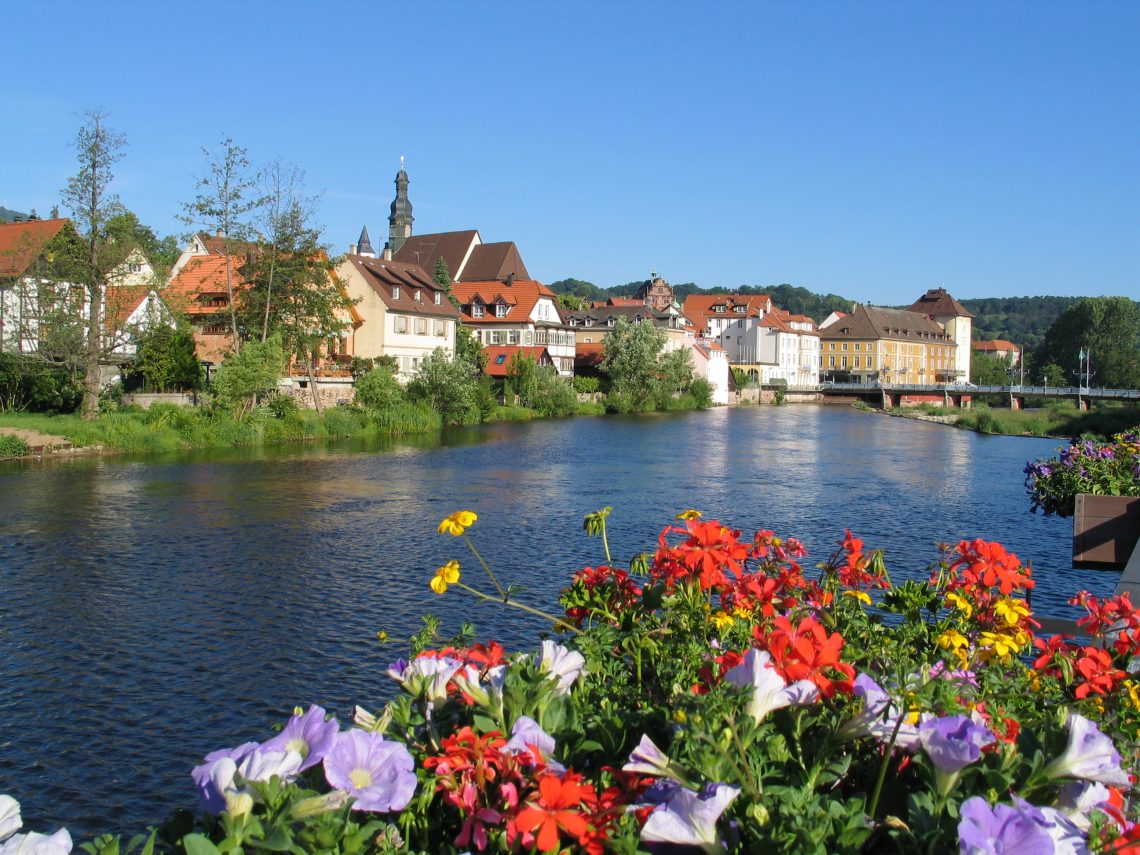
x=510 y=279
x=352 y=249
x=218 y=233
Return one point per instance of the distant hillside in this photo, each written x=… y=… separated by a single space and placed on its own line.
x=1022 y=320
x=7 y=215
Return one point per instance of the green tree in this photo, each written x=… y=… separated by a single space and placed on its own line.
x=674 y=374
x=167 y=361
x=468 y=350
x=986 y=370
x=125 y=232
x=245 y=374
x=630 y=359
x=92 y=205
x=379 y=389
x=228 y=196
x=1106 y=328
x=447 y=386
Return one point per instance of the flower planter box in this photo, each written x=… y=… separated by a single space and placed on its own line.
x=1105 y=531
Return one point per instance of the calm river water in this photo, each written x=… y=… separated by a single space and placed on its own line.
x=153 y=610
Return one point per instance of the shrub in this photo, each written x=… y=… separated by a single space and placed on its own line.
x=586 y=385
x=378 y=389
x=449 y=387
x=342 y=421
x=282 y=405
x=13 y=446
x=1100 y=468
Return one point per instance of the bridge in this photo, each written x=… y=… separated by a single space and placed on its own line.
x=961 y=394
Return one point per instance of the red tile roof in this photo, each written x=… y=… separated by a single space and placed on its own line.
x=21 y=243
x=500 y=357
x=521 y=295
x=998 y=344
x=699 y=307
x=937 y=302
x=408 y=279
x=121 y=304
x=200 y=286
x=425 y=250
x=589 y=355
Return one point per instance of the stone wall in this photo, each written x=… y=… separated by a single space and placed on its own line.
x=330 y=394
x=145 y=399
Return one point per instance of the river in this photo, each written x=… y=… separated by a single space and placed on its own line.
x=157 y=609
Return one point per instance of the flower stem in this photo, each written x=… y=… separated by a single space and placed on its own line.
x=516 y=604
x=494 y=580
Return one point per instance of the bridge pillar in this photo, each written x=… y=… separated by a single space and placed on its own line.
x=1016 y=403
x=1082 y=403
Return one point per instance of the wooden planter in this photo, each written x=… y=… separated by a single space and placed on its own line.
x=1105 y=531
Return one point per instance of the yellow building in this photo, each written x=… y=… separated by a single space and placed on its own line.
x=887 y=346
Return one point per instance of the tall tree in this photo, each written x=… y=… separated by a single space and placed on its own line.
x=228 y=196
x=1107 y=329
x=92 y=204
x=632 y=362
x=292 y=292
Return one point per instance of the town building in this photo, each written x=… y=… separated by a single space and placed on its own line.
x=938 y=305
x=517 y=312
x=403 y=313
x=878 y=346
x=999 y=348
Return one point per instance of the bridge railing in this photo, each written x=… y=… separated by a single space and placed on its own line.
x=965 y=389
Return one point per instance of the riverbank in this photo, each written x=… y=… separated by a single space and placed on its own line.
x=1060 y=422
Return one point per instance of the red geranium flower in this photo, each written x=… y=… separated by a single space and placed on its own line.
x=807 y=652
x=555 y=810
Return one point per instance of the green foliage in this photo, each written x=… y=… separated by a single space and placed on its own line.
x=13 y=446
x=1106 y=327
x=986 y=370
x=701 y=391
x=282 y=406
x=32 y=385
x=167 y=361
x=1101 y=469
x=448 y=386
x=1022 y=320
x=379 y=389
x=407 y=418
x=632 y=351
x=468 y=349
x=245 y=375
x=586 y=384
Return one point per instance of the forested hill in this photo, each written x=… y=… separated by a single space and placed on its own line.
x=7 y=215
x=1022 y=320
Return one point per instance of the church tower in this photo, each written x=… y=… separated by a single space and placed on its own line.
x=400 y=222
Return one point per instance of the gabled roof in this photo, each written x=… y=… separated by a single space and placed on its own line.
x=200 y=283
x=601 y=315
x=122 y=300
x=407 y=279
x=700 y=307
x=494 y=261
x=501 y=356
x=426 y=250
x=589 y=355
x=938 y=303
x=873 y=322
x=22 y=243
x=521 y=294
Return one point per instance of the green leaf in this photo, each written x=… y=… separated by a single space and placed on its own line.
x=196 y=844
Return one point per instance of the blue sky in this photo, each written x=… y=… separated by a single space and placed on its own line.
x=867 y=149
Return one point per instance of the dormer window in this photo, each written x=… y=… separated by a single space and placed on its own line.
x=419 y=296
x=739 y=309
x=609 y=322
x=395 y=292
x=719 y=309
x=477 y=310
x=438 y=298
x=501 y=310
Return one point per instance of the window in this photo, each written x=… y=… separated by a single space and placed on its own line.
x=418 y=296
x=856 y=361
x=513 y=337
x=421 y=326
x=719 y=309
x=587 y=340
x=844 y=365
x=739 y=309
x=870 y=362
x=858 y=346
x=438 y=298
x=395 y=292
x=501 y=310
x=845 y=345
x=831 y=362
x=477 y=310
x=399 y=324
x=440 y=328
x=500 y=359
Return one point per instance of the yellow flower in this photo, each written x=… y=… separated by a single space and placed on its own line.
x=999 y=645
x=382 y=636
x=679 y=716
x=1011 y=610
x=722 y=619
x=741 y=612
x=952 y=640
x=957 y=601
x=446 y=575
x=1133 y=692
x=689 y=514
x=458 y=522
x=862 y=596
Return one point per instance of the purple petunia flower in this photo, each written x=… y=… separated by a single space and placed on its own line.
x=953 y=742
x=1020 y=828
x=561 y=664
x=377 y=773
x=689 y=818
x=212 y=782
x=307 y=734
x=1090 y=755
x=527 y=733
x=879 y=718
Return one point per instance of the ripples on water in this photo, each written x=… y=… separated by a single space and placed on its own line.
x=157 y=610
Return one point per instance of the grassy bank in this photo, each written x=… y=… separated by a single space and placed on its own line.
x=1056 y=420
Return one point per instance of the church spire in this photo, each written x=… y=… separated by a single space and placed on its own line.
x=400 y=222
x=364 y=245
